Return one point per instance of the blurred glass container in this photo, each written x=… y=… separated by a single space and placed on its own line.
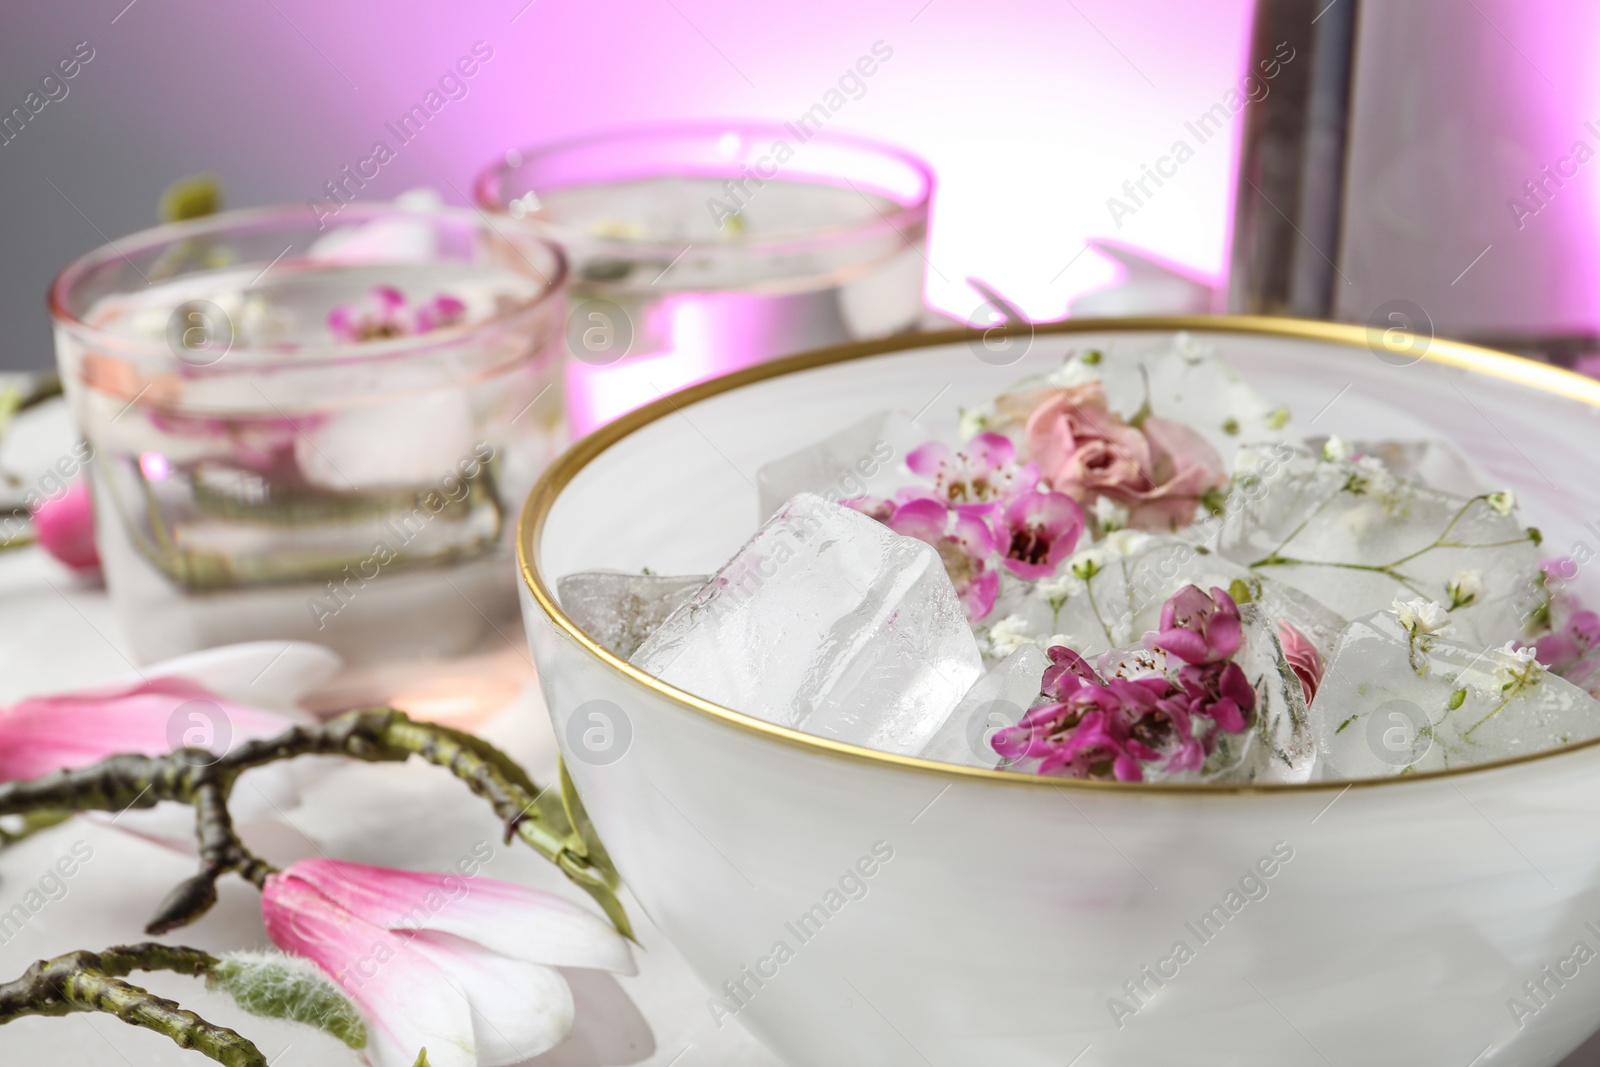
x=699 y=249
x=314 y=431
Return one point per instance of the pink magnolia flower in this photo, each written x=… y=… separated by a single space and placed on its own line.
x=210 y=700
x=385 y=313
x=1304 y=660
x=1037 y=531
x=983 y=473
x=64 y=527
x=464 y=968
x=1158 y=470
x=964 y=544
x=1198 y=628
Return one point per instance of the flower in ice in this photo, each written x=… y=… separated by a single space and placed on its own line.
x=1464 y=588
x=980 y=474
x=1503 y=502
x=64 y=527
x=202 y=701
x=1303 y=659
x=1562 y=649
x=386 y=313
x=1036 y=531
x=1336 y=448
x=464 y=968
x=1109 y=515
x=964 y=544
x=1198 y=628
x=1159 y=470
x=1422 y=617
x=1370 y=476
x=1008 y=635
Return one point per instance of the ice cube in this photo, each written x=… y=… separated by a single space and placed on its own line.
x=1394 y=701
x=825 y=621
x=996 y=700
x=865 y=459
x=621 y=610
x=1279 y=745
x=1436 y=464
x=1355 y=537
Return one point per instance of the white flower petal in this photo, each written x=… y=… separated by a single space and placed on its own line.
x=519 y=1009
x=262 y=674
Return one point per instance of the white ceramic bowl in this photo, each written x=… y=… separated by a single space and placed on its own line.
x=1005 y=918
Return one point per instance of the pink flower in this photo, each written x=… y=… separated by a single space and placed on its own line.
x=148 y=716
x=1562 y=649
x=980 y=475
x=1197 y=628
x=1158 y=471
x=1303 y=659
x=964 y=544
x=464 y=968
x=64 y=527
x=1037 y=531
x=385 y=313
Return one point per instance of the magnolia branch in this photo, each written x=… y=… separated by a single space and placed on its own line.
x=552 y=824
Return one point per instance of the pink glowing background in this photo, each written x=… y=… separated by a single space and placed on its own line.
x=1032 y=113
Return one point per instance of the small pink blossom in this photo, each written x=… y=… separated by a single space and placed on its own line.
x=64 y=527
x=1158 y=470
x=1303 y=659
x=1198 y=628
x=980 y=475
x=464 y=968
x=385 y=313
x=1561 y=649
x=964 y=543
x=1036 y=531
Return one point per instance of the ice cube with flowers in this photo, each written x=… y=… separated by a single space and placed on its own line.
x=1158 y=573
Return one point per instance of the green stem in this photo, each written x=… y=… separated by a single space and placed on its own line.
x=92 y=982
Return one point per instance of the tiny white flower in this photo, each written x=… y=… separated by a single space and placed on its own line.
x=1503 y=501
x=1125 y=543
x=1074 y=371
x=1336 y=449
x=1464 y=588
x=1190 y=348
x=1008 y=635
x=1523 y=656
x=1109 y=514
x=1373 y=477
x=1058 y=587
x=975 y=420
x=1088 y=563
x=1421 y=616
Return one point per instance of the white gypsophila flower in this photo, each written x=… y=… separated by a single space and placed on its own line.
x=1191 y=348
x=1056 y=639
x=1421 y=616
x=1058 y=586
x=1008 y=635
x=1086 y=564
x=975 y=420
x=1074 y=371
x=1464 y=588
x=1523 y=656
x=1125 y=543
x=1503 y=501
x=1109 y=514
x=1336 y=448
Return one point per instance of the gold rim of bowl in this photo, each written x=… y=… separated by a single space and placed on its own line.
x=567 y=466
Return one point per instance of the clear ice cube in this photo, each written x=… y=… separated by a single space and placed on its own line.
x=1436 y=464
x=1356 y=538
x=1392 y=703
x=621 y=610
x=995 y=701
x=829 y=622
x=865 y=459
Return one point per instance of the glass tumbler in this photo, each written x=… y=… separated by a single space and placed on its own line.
x=701 y=248
x=314 y=428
